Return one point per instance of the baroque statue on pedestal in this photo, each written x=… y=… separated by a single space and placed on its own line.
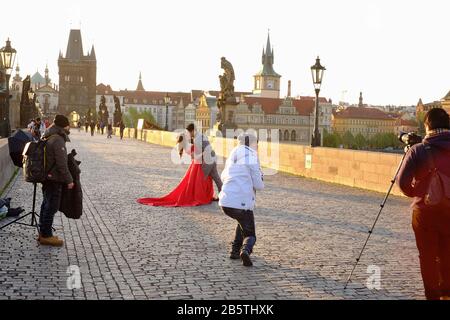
x=226 y=88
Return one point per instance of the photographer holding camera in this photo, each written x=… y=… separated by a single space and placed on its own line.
x=431 y=220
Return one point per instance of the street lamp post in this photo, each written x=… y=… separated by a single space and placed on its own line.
x=167 y=101
x=7 y=57
x=317 y=71
x=31 y=97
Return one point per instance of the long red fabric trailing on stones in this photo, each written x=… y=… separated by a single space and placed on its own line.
x=193 y=190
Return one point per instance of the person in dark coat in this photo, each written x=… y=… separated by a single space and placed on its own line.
x=122 y=128
x=431 y=224
x=72 y=199
x=58 y=176
x=110 y=130
x=86 y=126
x=92 y=127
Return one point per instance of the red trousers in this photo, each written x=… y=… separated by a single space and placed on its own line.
x=432 y=231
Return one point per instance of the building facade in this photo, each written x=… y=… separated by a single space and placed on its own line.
x=47 y=95
x=292 y=118
x=15 y=91
x=108 y=93
x=445 y=102
x=77 y=77
x=366 y=121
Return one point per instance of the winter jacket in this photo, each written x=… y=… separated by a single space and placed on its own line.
x=72 y=199
x=413 y=175
x=241 y=177
x=56 y=155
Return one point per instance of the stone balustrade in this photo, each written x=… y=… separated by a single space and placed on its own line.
x=7 y=168
x=361 y=169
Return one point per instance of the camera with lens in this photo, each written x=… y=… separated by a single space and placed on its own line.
x=409 y=138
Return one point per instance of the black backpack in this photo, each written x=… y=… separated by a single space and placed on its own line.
x=35 y=161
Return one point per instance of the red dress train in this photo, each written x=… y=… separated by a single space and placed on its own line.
x=193 y=190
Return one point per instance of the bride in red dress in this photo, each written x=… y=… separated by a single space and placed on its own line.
x=193 y=190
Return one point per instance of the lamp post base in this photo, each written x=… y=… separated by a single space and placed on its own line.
x=316 y=140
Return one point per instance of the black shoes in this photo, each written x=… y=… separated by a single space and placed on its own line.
x=234 y=255
x=245 y=257
x=243 y=250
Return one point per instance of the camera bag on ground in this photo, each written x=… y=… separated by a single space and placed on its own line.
x=438 y=190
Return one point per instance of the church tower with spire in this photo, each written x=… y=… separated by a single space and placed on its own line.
x=140 y=87
x=267 y=81
x=77 y=77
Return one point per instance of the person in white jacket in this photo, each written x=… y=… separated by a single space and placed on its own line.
x=241 y=178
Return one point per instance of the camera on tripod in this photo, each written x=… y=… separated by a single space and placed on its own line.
x=409 y=138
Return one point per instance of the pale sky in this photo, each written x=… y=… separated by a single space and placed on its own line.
x=394 y=51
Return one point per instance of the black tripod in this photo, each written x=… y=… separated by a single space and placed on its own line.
x=32 y=213
x=378 y=216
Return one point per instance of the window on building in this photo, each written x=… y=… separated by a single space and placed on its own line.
x=286 y=135
x=293 y=135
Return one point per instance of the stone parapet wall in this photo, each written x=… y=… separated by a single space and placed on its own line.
x=361 y=169
x=7 y=168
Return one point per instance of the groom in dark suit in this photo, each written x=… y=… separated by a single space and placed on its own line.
x=203 y=150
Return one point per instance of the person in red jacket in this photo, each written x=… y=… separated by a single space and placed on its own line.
x=431 y=224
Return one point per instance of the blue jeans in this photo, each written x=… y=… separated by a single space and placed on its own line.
x=51 y=192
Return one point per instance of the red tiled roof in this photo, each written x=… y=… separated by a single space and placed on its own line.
x=362 y=113
x=406 y=123
x=304 y=105
x=104 y=89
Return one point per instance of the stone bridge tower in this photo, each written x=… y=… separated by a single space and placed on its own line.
x=77 y=77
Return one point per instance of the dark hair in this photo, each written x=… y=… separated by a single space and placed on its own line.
x=437 y=118
x=38 y=119
x=190 y=127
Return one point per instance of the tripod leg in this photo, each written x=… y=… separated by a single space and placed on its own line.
x=33 y=210
x=376 y=219
x=15 y=220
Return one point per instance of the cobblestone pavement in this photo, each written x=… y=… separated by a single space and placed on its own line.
x=309 y=234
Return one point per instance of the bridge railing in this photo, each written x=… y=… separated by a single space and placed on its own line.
x=361 y=169
x=7 y=168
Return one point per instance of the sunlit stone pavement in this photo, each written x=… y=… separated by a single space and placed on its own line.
x=309 y=234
